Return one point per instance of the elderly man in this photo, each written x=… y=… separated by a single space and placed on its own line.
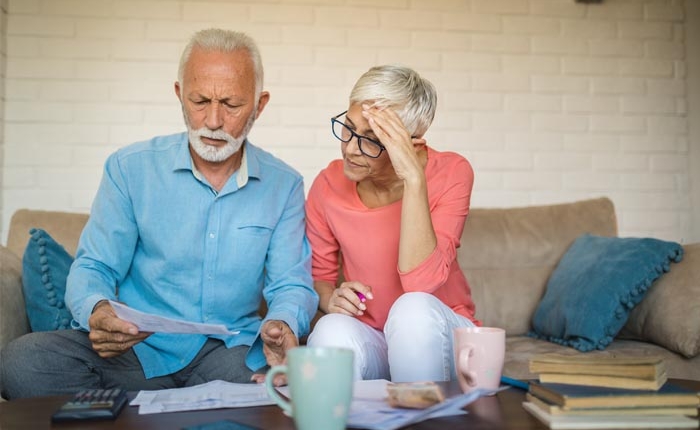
x=199 y=226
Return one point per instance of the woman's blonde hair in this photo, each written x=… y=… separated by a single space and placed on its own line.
x=400 y=88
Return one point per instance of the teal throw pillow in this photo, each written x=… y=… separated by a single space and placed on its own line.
x=595 y=285
x=45 y=267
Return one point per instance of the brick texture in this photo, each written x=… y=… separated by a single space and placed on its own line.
x=551 y=101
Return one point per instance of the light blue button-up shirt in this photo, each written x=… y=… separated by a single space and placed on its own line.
x=162 y=237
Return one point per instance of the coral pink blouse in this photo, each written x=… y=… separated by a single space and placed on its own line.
x=339 y=224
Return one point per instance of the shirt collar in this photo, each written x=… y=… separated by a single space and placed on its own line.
x=242 y=174
x=184 y=161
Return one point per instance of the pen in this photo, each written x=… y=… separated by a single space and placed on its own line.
x=515 y=383
x=361 y=296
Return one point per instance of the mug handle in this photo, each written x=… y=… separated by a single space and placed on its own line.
x=463 y=364
x=272 y=392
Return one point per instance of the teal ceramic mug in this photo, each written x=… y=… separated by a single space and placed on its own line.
x=320 y=383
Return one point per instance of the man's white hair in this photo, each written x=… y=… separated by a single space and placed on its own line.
x=216 y=39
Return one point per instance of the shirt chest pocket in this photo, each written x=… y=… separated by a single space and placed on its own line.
x=255 y=230
x=250 y=245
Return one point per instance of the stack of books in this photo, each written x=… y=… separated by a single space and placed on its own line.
x=608 y=392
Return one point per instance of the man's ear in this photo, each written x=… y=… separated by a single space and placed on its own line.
x=262 y=102
x=177 y=90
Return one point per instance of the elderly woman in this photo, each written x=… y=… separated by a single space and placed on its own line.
x=390 y=213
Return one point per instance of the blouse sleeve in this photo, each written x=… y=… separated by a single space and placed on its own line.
x=324 y=246
x=449 y=206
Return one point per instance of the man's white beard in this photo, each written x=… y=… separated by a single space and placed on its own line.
x=212 y=153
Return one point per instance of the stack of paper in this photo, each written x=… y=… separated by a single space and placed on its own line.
x=369 y=409
x=212 y=395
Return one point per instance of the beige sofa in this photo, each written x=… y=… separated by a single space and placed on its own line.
x=507 y=255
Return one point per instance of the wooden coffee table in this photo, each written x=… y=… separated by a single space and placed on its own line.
x=503 y=411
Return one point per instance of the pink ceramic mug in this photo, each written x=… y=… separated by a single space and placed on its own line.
x=479 y=354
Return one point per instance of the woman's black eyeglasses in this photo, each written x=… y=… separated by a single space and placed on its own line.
x=342 y=132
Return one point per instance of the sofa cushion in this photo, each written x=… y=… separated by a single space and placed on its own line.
x=596 y=284
x=512 y=252
x=45 y=268
x=669 y=315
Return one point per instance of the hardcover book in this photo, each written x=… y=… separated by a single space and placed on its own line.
x=583 y=396
x=647 y=367
x=604 y=380
x=610 y=421
x=553 y=409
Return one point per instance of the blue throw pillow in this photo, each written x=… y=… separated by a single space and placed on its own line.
x=595 y=285
x=45 y=268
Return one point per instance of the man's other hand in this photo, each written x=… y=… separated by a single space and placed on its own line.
x=277 y=338
x=111 y=336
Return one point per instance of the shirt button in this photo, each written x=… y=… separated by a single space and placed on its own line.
x=211 y=235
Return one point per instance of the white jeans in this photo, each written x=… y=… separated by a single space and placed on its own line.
x=416 y=344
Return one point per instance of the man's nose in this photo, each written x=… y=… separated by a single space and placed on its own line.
x=215 y=118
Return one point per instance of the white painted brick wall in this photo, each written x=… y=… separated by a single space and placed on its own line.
x=551 y=100
x=3 y=65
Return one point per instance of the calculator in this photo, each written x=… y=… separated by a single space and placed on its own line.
x=92 y=404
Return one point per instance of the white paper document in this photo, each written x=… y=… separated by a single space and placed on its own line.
x=369 y=409
x=158 y=324
x=212 y=395
x=369 y=412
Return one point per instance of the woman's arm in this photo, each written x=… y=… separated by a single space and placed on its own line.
x=429 y=235
x=418 y=239
x=449 y=206
x=325 y=261
x=325 y=292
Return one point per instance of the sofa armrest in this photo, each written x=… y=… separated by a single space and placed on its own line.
x=13 y=316
x=669 y=315
x=64 y=227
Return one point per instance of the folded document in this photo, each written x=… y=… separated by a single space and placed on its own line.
x=159 y=324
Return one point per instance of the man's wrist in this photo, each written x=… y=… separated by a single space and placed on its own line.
x=98 y=304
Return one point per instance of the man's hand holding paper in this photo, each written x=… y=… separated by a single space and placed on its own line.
x=111 y=336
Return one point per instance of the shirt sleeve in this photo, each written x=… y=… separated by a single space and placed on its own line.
x=288 y=287
x=106 y=247
x=449 y=207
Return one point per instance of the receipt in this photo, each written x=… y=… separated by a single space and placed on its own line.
x=158 y=324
